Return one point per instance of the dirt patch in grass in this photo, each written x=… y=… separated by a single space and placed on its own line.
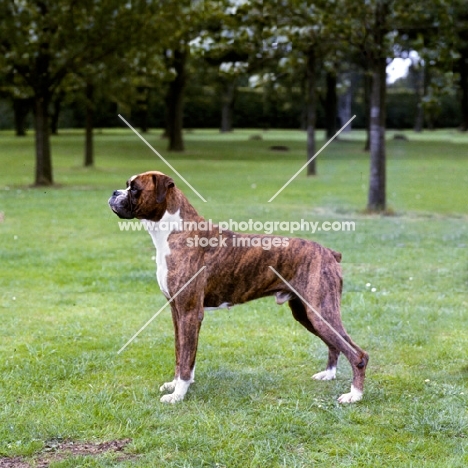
x=279 y=148
x=13 y=462
x=56 y=450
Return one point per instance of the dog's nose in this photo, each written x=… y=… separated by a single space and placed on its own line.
x=116 y=192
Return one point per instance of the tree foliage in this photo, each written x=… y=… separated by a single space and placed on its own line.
x=42 y=41
x=131 y=49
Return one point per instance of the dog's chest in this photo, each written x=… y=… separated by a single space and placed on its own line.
x=160 y=232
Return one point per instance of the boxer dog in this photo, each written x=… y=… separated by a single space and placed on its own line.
x=232 y=268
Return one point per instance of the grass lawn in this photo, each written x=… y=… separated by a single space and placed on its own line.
x=74 y=289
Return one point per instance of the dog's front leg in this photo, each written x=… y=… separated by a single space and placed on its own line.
x=170 y=386
x=187 y=327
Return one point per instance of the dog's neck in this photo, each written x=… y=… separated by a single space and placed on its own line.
x=178 y=209
x=177 y=201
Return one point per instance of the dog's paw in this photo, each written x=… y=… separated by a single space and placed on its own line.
x=179 y=388
x=328 y=374
x=351 y=397
x=168 y=386
x=172 y=398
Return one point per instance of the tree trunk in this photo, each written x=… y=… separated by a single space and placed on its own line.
x=420 y=91
x=367 y=107
x=464 y=89
x=344 y=108
x=56 y=108
x=142 y=106
x=21 y=109
x=377 y=192
x=43 y=154
x=42 y=97
x=311 y=111
x=227 y=103
x=419 y=120
x=175 y=102
x=144 y=119
x=89 y=150
x=377 y=181
x=330 y=106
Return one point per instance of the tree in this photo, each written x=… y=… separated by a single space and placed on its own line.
x=427 y=36
x=22 y=102
x=228 y=78
x=330 y=104
x=378 y=27
x=418 y=77
x=460 y=30
x=314 y=35
x=370 y=35
x=20 y=96
x=176 y=60
x=21 y=108
x=378 y=60
x=180 y=23
x=225 y=42
x=372 y=23
x=41 y=41
x=57 y=102
x=92 y=81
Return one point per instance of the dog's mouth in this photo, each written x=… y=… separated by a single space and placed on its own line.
x=113 y=209
x=123 y=215
x=121 y=211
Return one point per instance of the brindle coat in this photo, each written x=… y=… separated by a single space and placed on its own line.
x=235 y=275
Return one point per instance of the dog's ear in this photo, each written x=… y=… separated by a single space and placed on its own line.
x=162 y=184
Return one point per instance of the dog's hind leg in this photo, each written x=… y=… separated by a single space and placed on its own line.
x=330 y=372
x=336 y=337
x=300 y=314
x=326 y=321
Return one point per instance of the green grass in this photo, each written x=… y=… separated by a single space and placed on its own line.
x=73 y=290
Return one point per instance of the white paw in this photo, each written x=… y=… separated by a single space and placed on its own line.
x=351 y=397
x=172 y=398
x=168 y=386
x=328 y=374
x=179 y=390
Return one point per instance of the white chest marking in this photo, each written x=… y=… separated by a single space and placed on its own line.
x=159 y=232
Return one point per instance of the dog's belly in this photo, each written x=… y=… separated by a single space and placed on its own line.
x=225 y=301
x=224 y=305
x=236 y=276
x=226 y=290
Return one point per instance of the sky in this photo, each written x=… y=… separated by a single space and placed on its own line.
x=398 y=68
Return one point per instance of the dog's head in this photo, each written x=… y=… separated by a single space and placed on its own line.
x=144 y=198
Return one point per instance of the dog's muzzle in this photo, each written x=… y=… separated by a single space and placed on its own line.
x=121 y=205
